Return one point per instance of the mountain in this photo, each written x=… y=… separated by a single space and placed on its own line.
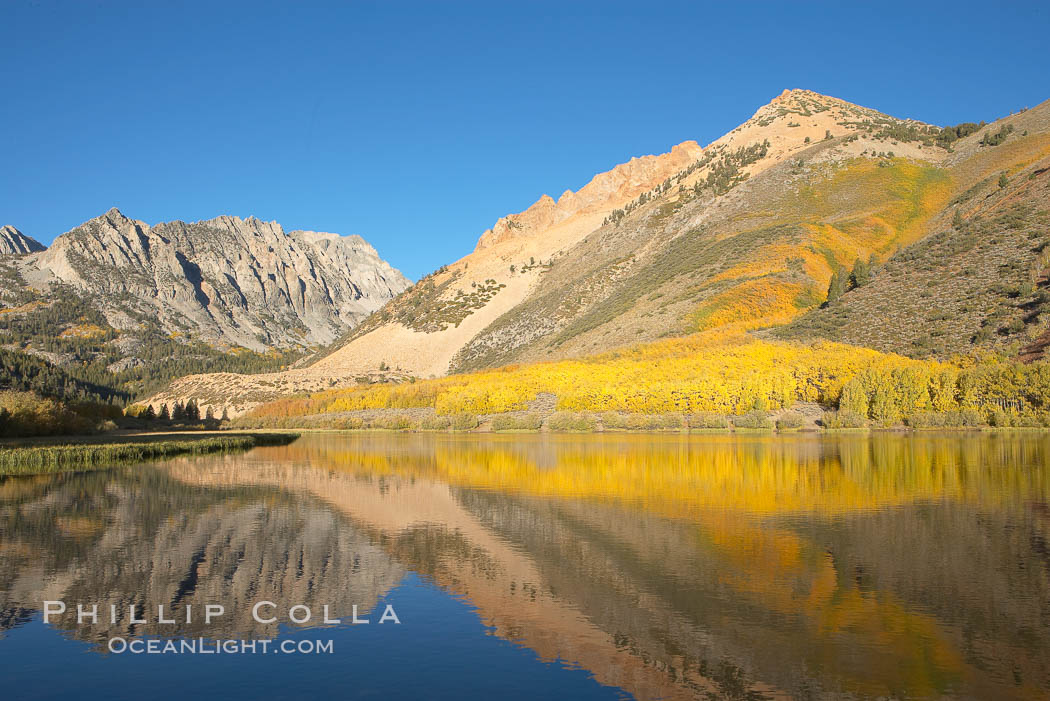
x=239 y=282
x=116 y=302
x=741 y=236
x=582 y=265
x=14 y=242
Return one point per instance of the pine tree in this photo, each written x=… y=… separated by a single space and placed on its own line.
x=164 y=414
x=837 y=286
x=861 y=274
x=1003 y=180
x=225 y=415
x=178 y=412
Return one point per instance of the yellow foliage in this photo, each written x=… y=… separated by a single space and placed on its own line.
x=854 y=211
x=83 y=331
x=720 y=371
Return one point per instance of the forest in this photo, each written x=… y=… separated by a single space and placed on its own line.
x=727 y=373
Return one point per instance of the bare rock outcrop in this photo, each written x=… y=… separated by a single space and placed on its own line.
x=14 y=242
x=228 y=281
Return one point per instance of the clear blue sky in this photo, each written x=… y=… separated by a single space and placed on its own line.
x=418 y=125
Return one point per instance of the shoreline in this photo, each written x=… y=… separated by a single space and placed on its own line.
x=75 y=453
x=673 y=432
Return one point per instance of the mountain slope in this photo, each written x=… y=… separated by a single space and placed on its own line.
x=745 y=235
x=980 y=278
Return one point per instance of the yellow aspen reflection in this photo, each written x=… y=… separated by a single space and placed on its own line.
x=736 y=499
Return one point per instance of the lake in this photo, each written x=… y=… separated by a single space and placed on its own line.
x=657 y=566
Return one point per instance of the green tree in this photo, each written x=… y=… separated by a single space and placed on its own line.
x=861 y=274
x=837 y=286
x=1003 y=180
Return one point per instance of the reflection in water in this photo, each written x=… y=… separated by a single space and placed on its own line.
x=138 y=537
x=669 y=566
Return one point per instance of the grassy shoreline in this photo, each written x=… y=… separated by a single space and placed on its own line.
x=57 y=457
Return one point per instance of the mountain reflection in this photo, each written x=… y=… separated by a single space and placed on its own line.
x=138 y=537
x=671 y=567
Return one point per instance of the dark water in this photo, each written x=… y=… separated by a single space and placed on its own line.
x=544 y=567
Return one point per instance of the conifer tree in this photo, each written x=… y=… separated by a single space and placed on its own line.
x=861 y=274
x=837 y=286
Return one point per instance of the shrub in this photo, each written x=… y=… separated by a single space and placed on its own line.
x=791 y=420
x=351 y=423
x=753 y=419
x=844 y=418
x=642 y=422
x=707 y=419
x=506 y=422
x=1005 y=419
x=463 y=422
x=571 y=421
x=394 y=422
x=944 y=419
x=435 y=423
x=673 y=422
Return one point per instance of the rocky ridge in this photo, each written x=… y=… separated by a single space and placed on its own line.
x=228 y=281
x=14 y=242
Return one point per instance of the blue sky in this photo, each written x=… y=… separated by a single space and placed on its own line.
x=418 y=125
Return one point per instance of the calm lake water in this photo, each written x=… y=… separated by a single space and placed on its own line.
x=625 y=566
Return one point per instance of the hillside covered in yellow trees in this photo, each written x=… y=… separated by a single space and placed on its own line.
x=693 y=382
x=822 y=257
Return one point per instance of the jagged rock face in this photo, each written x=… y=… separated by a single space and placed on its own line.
x=603 y=192
x=227 y=280
x=14 y=242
